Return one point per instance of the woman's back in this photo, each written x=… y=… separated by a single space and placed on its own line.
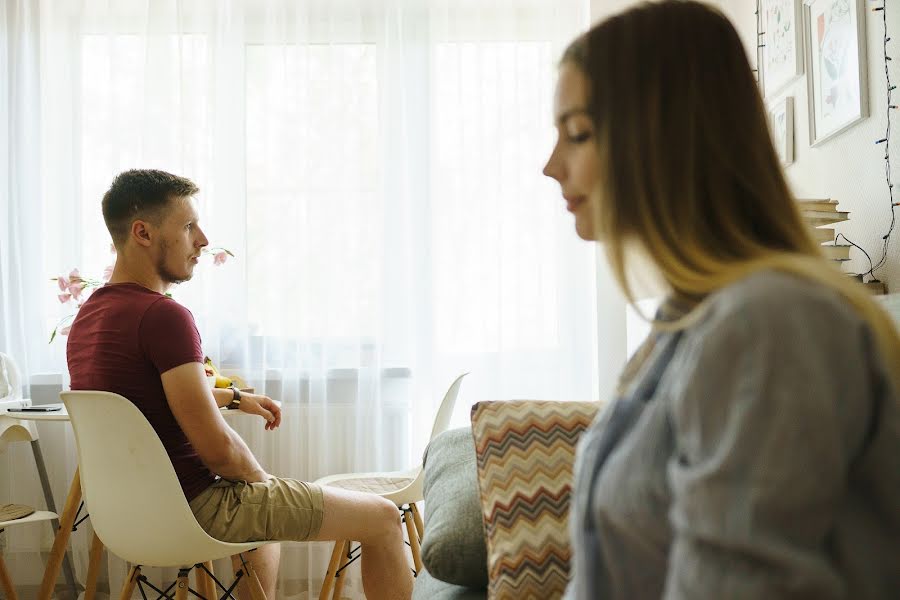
x=755 y=455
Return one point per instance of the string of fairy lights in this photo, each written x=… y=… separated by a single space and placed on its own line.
x=886 y=140
x=759 y=42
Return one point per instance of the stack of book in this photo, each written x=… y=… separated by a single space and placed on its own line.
x=821 y=216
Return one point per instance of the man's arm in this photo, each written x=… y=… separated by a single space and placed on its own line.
x=253 y=404
x=196 y=411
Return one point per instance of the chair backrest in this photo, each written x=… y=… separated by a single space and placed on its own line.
x=134 y=498
x=414 y=491
x=10 y=379
x=445 y=411
x=13 y=430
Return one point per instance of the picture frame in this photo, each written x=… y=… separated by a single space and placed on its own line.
x=781 y=122
x=782 y=52
x=835 y=65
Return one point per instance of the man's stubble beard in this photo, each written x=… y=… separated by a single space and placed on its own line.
x=163 y=271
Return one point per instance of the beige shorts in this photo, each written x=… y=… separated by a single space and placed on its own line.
x=277 y=509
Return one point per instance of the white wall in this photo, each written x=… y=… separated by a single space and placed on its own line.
x=850 y=167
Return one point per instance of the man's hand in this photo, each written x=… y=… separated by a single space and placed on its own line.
x=263 y=406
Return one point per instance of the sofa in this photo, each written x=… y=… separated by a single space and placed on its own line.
x=453 y=547
x=497 y=502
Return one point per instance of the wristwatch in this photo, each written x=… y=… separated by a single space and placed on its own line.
x=236 y=400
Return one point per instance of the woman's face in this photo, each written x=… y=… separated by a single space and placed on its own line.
x=574 y=162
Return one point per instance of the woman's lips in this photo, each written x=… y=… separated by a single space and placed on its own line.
x=572 y=204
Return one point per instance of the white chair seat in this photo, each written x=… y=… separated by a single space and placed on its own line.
x=6 y=584
x=40 y=515
x=403 y=488
x=382 y=484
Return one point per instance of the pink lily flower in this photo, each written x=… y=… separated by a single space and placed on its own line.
x=74 y=275
x=63 y=298
x=108 y=271
x=75 y=289
x=219 y=258
x=63 y=283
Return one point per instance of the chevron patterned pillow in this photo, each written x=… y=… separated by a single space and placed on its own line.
x=525 y=451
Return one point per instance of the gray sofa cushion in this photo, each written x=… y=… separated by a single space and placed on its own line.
x=429 y=588
x=453 y=549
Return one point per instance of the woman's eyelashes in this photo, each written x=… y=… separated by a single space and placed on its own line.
x=579 y=138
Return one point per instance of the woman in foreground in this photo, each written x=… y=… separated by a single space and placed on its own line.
x=753 y=450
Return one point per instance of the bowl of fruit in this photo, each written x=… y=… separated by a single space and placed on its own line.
x=210 y=378
x=217 y=380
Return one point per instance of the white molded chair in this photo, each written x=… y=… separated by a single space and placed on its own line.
x=403 y=488
x=10 y=379
x=15 y=430
x=136 y=504
x=5 y=580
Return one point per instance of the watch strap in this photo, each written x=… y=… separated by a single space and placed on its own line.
x=235 y=400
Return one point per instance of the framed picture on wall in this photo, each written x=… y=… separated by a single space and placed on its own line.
x=782 y=52
x=836 y=66
x=781 y=121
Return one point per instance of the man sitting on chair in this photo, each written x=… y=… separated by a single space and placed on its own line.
x=131 y=339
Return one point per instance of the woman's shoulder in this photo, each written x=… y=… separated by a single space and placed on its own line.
x=778 y=325
x=776 y=350
x=771 y=289
x=777 y=302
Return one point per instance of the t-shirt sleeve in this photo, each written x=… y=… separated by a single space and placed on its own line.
x=169 y=336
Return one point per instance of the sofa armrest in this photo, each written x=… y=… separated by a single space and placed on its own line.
x=453 y=548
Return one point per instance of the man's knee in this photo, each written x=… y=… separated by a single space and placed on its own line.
x=386 y=514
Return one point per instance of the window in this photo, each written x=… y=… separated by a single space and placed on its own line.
x=497 y=289
x=313 y=186
x=377 y=175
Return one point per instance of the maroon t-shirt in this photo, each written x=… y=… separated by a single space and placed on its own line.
x=123 y=338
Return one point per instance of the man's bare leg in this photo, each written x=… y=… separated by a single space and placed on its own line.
x=375 y=523
x=265 y=561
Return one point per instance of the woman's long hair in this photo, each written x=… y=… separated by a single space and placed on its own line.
x=688 y=166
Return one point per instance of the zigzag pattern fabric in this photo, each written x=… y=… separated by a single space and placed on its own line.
x=525 y=451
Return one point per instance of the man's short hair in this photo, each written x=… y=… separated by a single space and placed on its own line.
x=141 y=194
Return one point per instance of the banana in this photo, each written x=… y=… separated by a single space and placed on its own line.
x=221 y=380
x=239 y=382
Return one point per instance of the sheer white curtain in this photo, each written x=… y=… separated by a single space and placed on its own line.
x=375 y=168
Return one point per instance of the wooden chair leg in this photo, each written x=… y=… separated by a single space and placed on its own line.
x=6 y=583
x=328 y=584
x=256 y=589
x=341 y=576
x=181 y=585
x=61 y=541
x=205 y=585
x=96 y=554
x=420 y=526
x=413 y=540
x=128 y=588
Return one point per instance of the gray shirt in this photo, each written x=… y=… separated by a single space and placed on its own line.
x=755 y=455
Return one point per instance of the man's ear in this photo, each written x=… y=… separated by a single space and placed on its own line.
x=141 y=232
